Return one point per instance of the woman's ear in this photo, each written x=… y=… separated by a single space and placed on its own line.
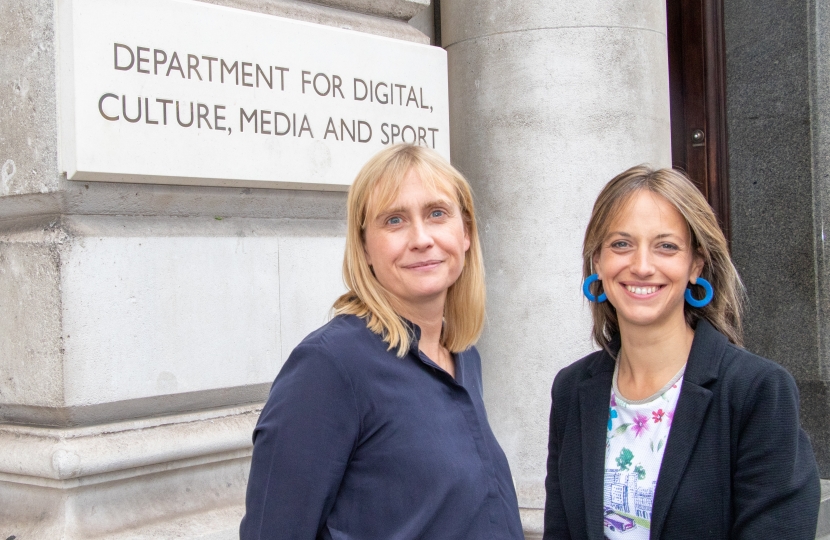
x=697 y=268
x=595 y=265
x=466 y=238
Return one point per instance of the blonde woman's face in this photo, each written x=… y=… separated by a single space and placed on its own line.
x=416 y=245
x=646 y=262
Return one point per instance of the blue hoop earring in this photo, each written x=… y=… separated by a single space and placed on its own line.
x=586 y=289
x=694 y=302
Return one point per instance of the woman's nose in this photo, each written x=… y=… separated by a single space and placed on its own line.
x=421 y=237
x=641 y=263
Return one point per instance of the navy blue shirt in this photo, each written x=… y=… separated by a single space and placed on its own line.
x=356 y=443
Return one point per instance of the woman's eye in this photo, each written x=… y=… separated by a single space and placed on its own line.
x=437 y=213
x=619 y=244
x=394 y=221
x=668 y=247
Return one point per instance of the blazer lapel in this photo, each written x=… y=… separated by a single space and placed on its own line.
x=688 y=417
x=692 y=405
x=594 y=398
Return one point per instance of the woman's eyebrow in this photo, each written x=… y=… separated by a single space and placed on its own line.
x=627 y=235
x=437 y=202
x=394 y=210
x=404 y=209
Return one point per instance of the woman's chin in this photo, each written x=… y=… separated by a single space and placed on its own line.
x=422 y=296
x=647 y=316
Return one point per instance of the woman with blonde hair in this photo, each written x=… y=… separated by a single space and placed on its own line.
x=672 y=430
x=375 y=426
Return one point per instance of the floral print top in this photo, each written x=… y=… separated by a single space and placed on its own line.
x=635 y=442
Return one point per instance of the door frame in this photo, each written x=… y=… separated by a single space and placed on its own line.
x=697 y=88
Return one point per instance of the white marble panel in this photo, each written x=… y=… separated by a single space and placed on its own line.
x=162 y=315
x=310 y=281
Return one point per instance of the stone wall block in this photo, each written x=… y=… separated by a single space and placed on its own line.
x=778 y=112
x=772 y=181
x=108 y=318
x=170 y=477
x=394 y=9
x=170 y=314
x=28 y=117
x=343 y=13
x=387 y=19
x=31 y=341
x=116 y=199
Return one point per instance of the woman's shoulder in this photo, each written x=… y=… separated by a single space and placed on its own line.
x=340 y=341
x=470 y=356
x=715 y=358
x=333 y=357
x=586 y=367
x=342 y=331
x=742 y=369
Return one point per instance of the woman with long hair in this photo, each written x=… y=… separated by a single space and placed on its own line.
x=672 y=430
x=375 y=426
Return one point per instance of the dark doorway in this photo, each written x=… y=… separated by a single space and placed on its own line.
x=697 y=85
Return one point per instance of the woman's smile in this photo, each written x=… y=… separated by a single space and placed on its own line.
x=423 y=265
x=642 y=290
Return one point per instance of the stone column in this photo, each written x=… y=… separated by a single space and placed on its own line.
x=549 y=100
x=141 y=325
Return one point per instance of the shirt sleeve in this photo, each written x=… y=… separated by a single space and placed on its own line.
x=775 y=484
x=302 y=445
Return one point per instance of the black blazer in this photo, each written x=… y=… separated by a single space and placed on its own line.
x=736 y=465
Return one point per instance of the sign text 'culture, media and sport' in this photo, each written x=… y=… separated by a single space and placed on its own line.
x=237 y=98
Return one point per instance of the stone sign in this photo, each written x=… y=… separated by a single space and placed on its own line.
x=183 y=92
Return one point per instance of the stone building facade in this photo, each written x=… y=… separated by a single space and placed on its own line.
x=142 y=324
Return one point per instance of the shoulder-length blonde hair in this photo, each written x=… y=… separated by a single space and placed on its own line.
x=725 y=309
x=377 y=185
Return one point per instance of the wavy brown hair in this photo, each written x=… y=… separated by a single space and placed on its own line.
x=725 y=310
x=375 y=188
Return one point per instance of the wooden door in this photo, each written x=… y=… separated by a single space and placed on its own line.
x=697 y=86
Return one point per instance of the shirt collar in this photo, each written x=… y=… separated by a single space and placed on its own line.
x=415 y=334
x=702 y=366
